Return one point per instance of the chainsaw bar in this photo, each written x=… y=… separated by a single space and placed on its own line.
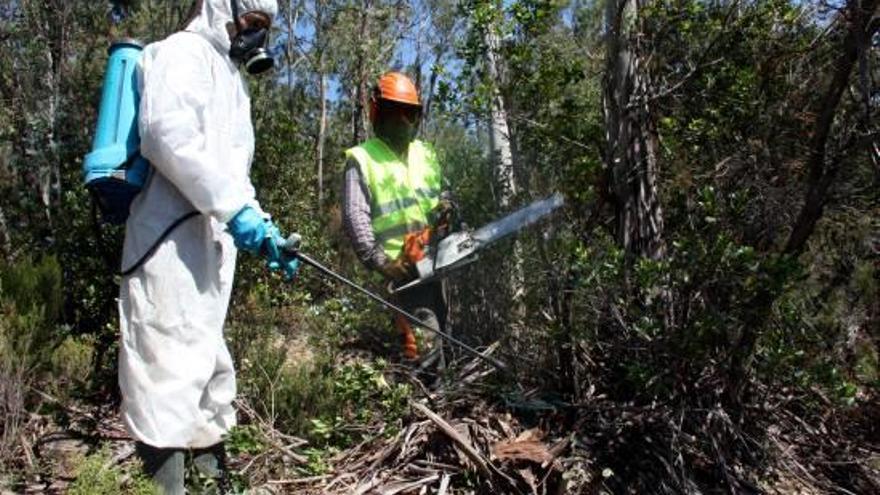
x=461 y=248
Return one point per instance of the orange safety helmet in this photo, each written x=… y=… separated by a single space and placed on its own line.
x=394 y=87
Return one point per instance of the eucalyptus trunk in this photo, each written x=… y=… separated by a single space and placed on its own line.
x=321 y=76
x=499 y=133
x=502 y=156
x=631 y=136
x=361 y=96
x=321 y=137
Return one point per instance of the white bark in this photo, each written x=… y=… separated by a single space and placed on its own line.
x=502 y=155
x=322 y=132
x=47 y=113
x=292 y=17
x=499 y=135
x=321 y=135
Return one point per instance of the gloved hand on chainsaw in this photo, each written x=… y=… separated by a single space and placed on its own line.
x=399 y=270
x=444 y=215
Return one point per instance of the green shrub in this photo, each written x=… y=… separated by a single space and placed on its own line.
x=315 y=398
x=30 y=303
x=33 y=286
x=71 y=364
x=245 y=439
x=98 y=475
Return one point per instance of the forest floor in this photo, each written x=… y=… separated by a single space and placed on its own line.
x=456 y=438
x=453 y=436
x=463 y=434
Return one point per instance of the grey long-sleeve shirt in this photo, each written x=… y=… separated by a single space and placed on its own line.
x=356 y=219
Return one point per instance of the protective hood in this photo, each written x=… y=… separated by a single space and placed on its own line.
x=211 y=21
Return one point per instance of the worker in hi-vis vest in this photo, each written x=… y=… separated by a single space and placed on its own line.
x=392 y=203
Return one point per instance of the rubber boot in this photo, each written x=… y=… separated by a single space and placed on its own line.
x=165 y=467
x=431 y=361
x=211 y=463
x=410 y=348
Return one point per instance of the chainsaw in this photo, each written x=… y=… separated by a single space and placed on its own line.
x=439 y=258
x=436 y=260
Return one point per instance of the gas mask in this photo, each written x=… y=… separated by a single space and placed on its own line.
x=396 y=124
x=397 y=132
x=249 y=46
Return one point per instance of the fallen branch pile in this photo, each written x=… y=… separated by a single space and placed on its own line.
x=454 y=443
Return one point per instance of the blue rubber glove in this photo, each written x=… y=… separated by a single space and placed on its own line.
x=257 y=235
x=280 y=254
x=250 y=230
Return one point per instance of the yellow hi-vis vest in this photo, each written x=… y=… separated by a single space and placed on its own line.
x=403 y=193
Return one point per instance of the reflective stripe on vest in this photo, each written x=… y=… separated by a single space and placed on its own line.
x=402 y=194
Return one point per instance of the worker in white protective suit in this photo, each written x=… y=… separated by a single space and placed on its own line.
x=175 y=372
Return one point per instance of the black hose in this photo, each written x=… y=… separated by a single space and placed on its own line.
x=445 y=336
x=143 y=259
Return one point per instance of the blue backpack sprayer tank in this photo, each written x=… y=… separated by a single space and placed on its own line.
x=114 y=171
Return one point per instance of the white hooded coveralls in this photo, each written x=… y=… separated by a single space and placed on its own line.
x=175 y=372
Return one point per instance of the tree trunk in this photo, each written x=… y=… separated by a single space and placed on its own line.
x=5 y=239
x=856 y=17
x=291 y=19
x=631 y=137
x=361 y=96
x=428 y=97
x=47 y=163
x=502 y=156
x=822 y=170
x=50 y=23
x=321 y=134
x=499 y=135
